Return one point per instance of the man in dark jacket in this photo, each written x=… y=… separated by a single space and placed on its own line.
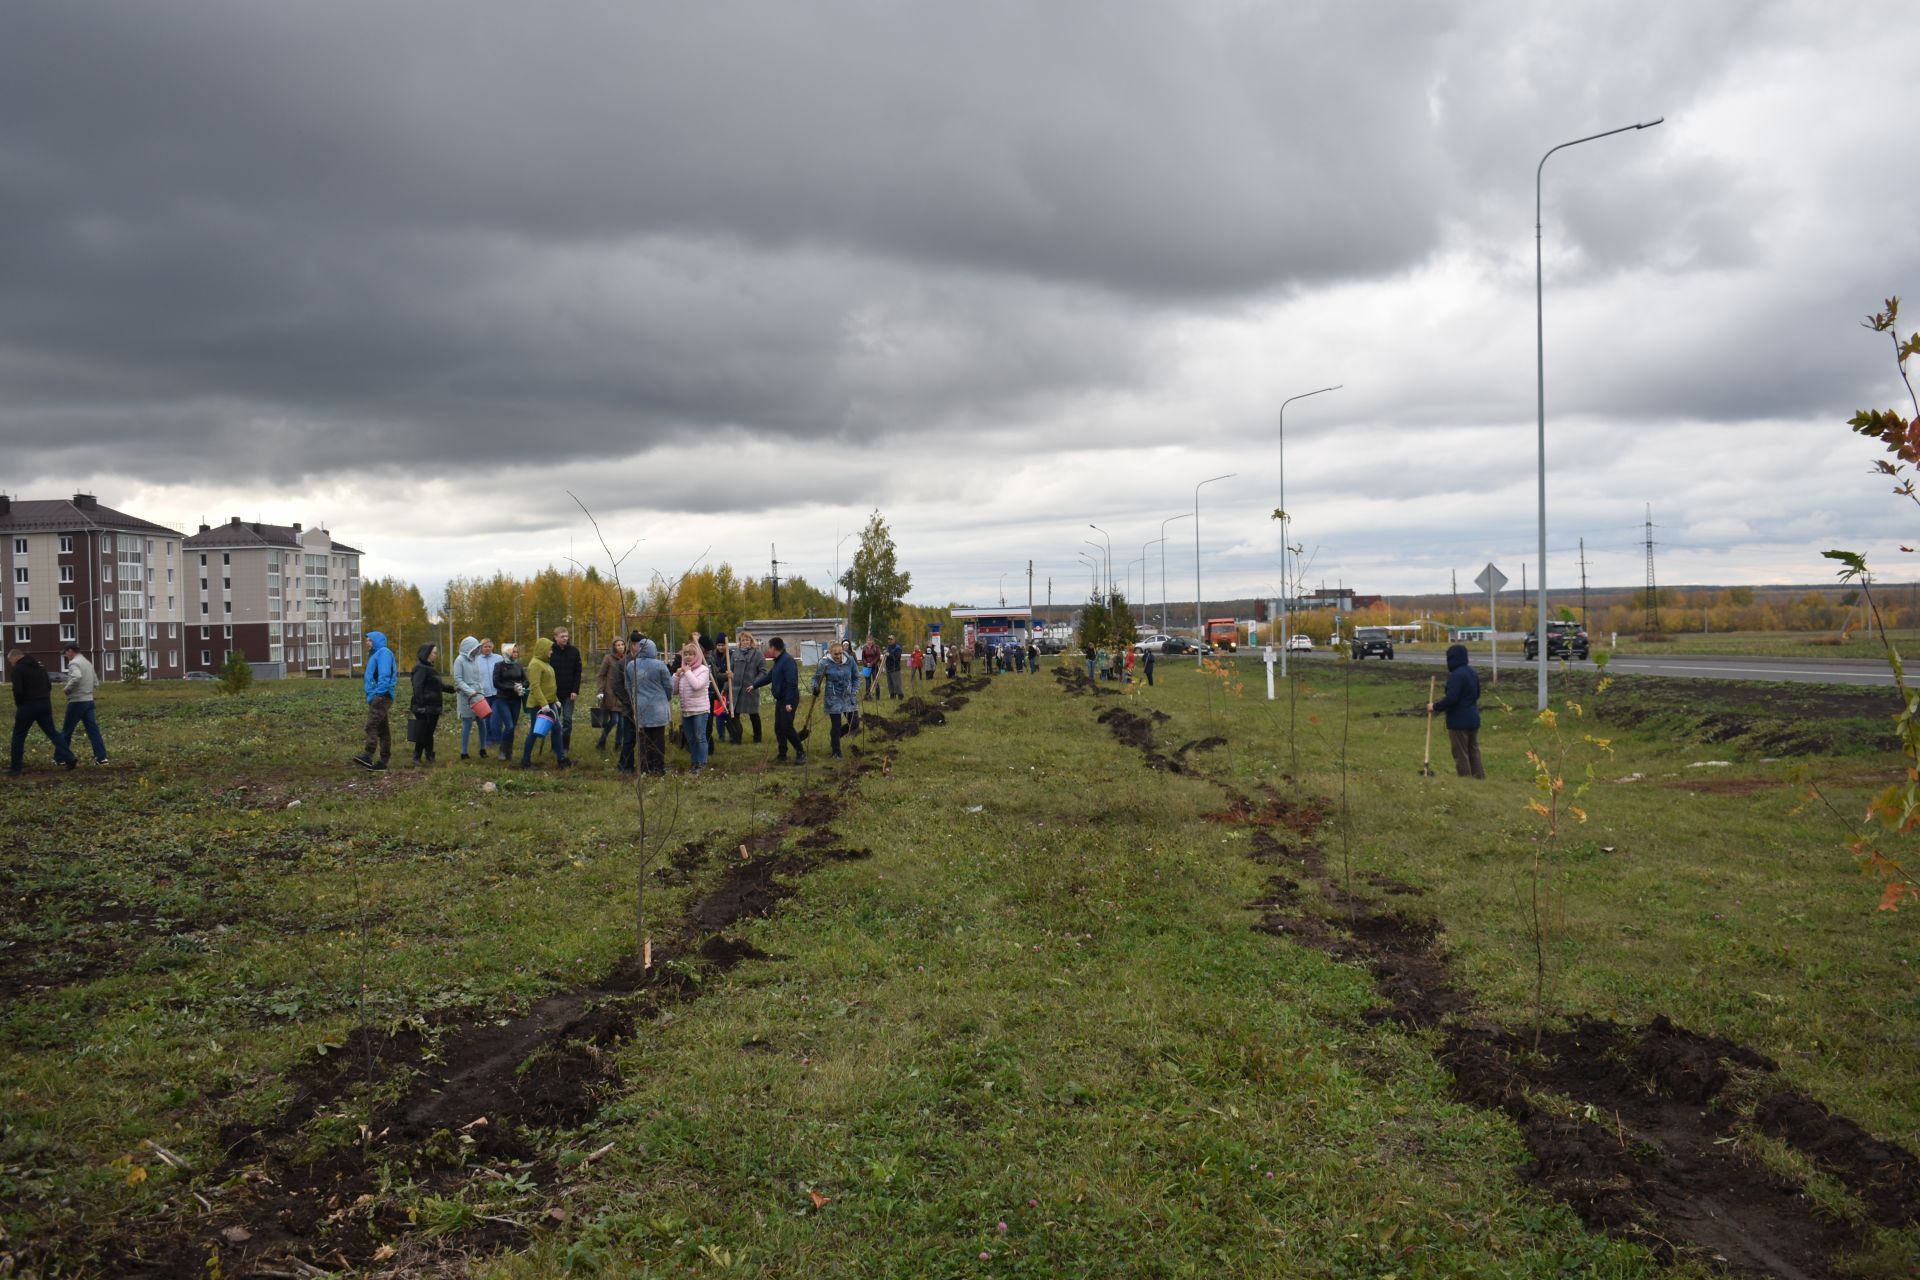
x=784 y=676
x=892 y=660
x=33 y=704
x=565 y=660
x=509 y=682
x=1461 y=702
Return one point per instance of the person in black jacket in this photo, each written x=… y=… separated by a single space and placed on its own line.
x=784 y=676
x=428 y=686
x=33 y=704
x=509 y=679
x=565 y=660
x=1461 y=702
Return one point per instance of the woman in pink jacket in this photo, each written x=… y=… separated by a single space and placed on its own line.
x=691 y=685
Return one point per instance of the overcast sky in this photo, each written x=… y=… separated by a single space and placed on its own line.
x=738 y=274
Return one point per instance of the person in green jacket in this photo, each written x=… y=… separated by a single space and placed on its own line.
x=543 y=695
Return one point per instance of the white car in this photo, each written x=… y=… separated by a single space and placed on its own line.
x=1155 y=643
x=1302 y=643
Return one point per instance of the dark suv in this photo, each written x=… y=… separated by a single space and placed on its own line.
x=1564 y=640
x=1373 y=642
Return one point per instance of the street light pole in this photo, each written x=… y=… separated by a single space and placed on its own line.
x=1540 y=373
x=1142 y=562
x=1199 y=627
x=1163 y=566
x=1093 y=571
x=836 y=584
x=1284 y=517
x=1103 y=533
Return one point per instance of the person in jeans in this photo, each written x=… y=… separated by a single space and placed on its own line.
x=566 y=682
x=870 y=667
x=509 y=687
x=1461 y=702
x=378 y=683
x=747 y=664
x=32 y=705
x=784 y=677
x=840 y=677
x=610 y=668
x=469 y=679
x=424 y=708
x=542 y=695
x=488 y=660
x=78 y=687
x=650 y=690
x=692 y=685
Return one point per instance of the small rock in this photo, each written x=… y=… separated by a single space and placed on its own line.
x=488 y=787
x=293 y=804
x=237 y=1235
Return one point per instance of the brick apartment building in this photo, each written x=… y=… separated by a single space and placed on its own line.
x=287 y=598
x=79 y=573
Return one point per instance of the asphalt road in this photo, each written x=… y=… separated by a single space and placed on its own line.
x=1677 y=667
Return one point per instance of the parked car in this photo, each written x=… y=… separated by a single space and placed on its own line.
x=200 y=675
x=1372 y=642
x=1048 y=645
x=1564 y=640
x=1157 y=643
x=1301 y=643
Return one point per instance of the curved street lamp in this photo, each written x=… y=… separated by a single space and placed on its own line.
x=1199 y=627
x=1284 y=518
x=1103 y=533
x=1163 y=565
x=1540 y=371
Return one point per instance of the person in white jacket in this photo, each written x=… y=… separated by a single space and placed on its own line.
x=79 y=683
x=468 y=676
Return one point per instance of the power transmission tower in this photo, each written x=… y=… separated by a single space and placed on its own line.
x=1653 y=600
x=1583 y=583
x=776 y=577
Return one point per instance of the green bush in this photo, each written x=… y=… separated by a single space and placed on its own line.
x=237 y=675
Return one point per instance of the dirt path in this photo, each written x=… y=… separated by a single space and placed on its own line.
x=1636 y=1128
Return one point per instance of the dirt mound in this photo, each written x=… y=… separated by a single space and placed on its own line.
x=1886 y=1177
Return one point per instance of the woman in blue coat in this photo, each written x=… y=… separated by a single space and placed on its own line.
x=842 y=682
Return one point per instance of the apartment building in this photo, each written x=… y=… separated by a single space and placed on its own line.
x=286 y=597
x=76 y=572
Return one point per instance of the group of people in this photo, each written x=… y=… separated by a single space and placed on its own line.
x=32 y=686
x=1117 y=664
x=489 y=691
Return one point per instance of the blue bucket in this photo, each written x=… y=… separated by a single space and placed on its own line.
x=542 y=725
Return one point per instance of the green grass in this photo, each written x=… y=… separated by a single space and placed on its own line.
x=1047 y=1011
x=1802 y=645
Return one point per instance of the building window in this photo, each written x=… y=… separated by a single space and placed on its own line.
x=203 y=564
x=106 y=604
x=226 y=633
x=169 y=577
x=66 y=573
x=203 y=608
x=169 y=548
x=109 y=662
x=19 y=546
x=66 y=604
x=226 y=584
x=20 y=575
x=203 y=633
x=170 y=608
x=226 y=557
x=106 y=571
x=69 y=633
x=23 y=604
x=228 y=606
x=203 y=584
x=23 y=635
x=173 y=631
x=173 y=657
x=66 y=544
x=206 y=659
x=109 y=633
x=149 y=546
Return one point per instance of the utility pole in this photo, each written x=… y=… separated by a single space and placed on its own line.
x=776 y=576
x=1029 y=600
x=1583 y=585
x=1456 y=597
x=1653 y=601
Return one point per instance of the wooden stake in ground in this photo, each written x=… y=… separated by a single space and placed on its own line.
x=1426 y=761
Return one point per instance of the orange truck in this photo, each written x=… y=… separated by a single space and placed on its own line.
x=1223 y=634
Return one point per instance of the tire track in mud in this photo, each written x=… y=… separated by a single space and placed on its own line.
x=473 y=1100
x=1637 y=1128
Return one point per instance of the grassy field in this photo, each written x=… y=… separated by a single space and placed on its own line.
x=1010 y=1018
x=1809 y=646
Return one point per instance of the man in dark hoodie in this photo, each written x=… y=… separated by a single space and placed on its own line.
x=378 y=682
x=424 y=710
x=1461 y=702
x=565 y=660
x=784 y=676
x=33 y=704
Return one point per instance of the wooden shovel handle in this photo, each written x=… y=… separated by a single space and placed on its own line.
x=1427 y=757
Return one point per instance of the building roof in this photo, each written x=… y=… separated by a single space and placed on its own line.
x=253 y=533
x=80 y=512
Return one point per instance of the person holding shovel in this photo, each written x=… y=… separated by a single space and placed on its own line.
x=1461 y=702
x=784 y=677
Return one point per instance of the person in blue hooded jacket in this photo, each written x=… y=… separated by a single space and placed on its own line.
x=378 y=682
x=1461 y=702
x=650 y=690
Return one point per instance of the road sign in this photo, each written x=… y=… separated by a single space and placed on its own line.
x=1490 y=579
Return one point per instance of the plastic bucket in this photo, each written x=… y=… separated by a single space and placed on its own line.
x=481 y=708
x=542 y=725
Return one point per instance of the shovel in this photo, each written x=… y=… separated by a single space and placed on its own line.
x=806 y=725
x=1426 y=763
